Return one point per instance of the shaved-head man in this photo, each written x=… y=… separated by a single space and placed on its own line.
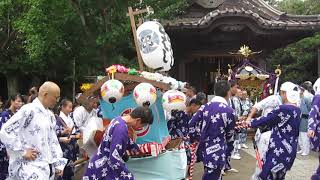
x=49 y=94
x=30 y=138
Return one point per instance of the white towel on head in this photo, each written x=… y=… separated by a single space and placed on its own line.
x=292 y=92
x=287 y=86
x=316 y=86
x=293 y=96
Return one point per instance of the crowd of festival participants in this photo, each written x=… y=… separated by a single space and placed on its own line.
x=39 y=133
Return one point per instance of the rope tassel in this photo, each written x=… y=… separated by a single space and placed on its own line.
x=193 y=147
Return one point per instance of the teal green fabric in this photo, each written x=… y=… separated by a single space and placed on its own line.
x=157 y=132
x=170 y=165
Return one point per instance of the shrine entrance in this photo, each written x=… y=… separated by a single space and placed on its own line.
x=204 y=35
x=203 y=70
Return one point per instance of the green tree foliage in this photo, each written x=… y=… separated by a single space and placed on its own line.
x=167 y=9
x=272 y=2
x=42 y=37
x=34 y=36
x=298 y=60
x=12 y=54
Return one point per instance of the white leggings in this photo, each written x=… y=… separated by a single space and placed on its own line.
x=263 y=146
x=304 y=142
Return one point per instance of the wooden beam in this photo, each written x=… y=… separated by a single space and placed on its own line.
x=127 y=77
x=208 y=53
x=204 y=54
x=134 y=32
x=93 y=89
x=138 y=12
x=123 y=77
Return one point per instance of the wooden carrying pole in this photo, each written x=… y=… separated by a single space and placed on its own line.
x=123 y=77
x=134 y=32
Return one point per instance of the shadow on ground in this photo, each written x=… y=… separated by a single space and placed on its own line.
x=246 y=167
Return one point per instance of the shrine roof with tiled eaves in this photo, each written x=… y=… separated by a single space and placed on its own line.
x=203 y=14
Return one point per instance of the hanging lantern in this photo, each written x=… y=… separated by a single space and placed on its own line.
x=112 y=91
x=174 y=100
x=155 y=46
x=145 y=94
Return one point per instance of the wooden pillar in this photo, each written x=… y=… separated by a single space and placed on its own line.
x=134 y=32
x=184 y=67
x=182 y=71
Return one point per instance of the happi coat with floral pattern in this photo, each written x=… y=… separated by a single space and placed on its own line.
x=108 y=161
x=284 y=122
x=218 y=122
x=33 y=126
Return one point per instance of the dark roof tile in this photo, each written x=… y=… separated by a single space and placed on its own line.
x=260 y=11
x=207 y=19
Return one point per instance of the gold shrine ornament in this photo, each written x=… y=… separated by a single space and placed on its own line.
x=245 y=51
x=278 y=70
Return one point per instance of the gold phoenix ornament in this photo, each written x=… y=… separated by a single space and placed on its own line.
x=245 y=51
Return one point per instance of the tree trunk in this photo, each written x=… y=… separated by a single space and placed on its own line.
x=12 y=83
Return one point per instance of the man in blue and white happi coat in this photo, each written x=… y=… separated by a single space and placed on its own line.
x=314 y=125
x=284 y=122
x=107 y=163
x=263 y=133
x=178 y=124
x=30 y=138
x=218 y=121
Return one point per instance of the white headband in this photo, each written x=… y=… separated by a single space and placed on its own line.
x=316 y=86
